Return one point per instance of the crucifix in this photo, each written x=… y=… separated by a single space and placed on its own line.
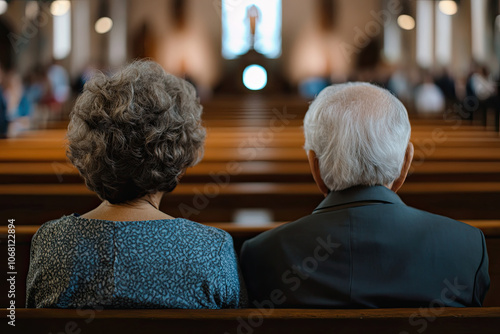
x=253 y=16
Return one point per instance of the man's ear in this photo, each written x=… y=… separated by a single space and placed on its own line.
x=396 y=185
x=314 y=165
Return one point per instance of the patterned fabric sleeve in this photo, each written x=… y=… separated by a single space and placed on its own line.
x=30 y=299
x=230 y=278
x=35 y=280
x=482 y=279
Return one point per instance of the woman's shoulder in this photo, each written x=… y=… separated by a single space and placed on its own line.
x=181 y=238
x=52 y=232
x=184 y=229
x=54 y=224
x=201 y=228
x=179 y=229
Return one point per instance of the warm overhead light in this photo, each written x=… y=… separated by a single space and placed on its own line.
x=255 y=77
x=32 y=10
x=406 y=22
x=103 y=25
x=60 y=7
x=448 y=7
x=3 y=6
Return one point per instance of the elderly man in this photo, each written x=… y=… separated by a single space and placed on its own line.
x=362 y=247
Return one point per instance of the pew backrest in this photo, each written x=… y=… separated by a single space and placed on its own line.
x=250 y=321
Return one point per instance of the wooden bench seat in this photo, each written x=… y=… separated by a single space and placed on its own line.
x=249 y=321
x=240 y=234
x=269 y=154
x=254 y=171
x=247 y=188
x=260 y=140
x=211 y=202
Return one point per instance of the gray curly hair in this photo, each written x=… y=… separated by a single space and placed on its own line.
x=135 y=133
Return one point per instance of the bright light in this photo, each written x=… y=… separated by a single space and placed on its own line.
x=443 y=38
x=406 y=22
x=425 y=33
x=255 y=77
x=103 y=25
x=448 y=7
x=236 y=35
x=31 y=11
x=3 y=6
x=60 y=7
x=62 y=35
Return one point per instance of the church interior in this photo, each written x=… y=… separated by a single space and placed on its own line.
x=256 y=66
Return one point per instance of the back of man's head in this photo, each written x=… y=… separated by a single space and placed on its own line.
x=359 y=132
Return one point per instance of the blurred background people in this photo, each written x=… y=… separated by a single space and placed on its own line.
x=4 y=124
x=429 y=98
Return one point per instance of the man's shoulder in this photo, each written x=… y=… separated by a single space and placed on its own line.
x=280 y=234
x=437 y=221
x=400 y=214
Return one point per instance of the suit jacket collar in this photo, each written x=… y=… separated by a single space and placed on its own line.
x=355 y=194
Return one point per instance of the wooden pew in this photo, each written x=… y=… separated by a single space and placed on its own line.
x=281 y=159
x=439 y=135
x=269 y=154
x=279 y=178
x=258 y=321
x=240 y=234
x=255 y=171
x=217 y=202
x=218 y=138
x=262 y=139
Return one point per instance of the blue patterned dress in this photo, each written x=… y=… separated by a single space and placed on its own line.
x=77 y=262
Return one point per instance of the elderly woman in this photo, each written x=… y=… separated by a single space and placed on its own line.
x=132 y=136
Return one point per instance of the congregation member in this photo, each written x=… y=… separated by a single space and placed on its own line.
x=429 y=98
x=362 y=247
x=4 y=123
x=132 y=136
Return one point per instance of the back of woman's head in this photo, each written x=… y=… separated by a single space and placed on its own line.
x=136 y=132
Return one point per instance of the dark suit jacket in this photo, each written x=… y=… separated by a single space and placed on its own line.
x=364 y=248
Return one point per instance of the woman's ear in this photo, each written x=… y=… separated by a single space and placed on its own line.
x=314 y=165
x=396 y=185
x=181 y=175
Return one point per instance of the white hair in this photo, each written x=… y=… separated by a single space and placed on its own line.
x=359 y=133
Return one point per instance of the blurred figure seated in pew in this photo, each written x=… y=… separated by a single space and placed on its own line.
x=132 y=136
x=429 y=99
x=362 y=247
x=4 y=122
x=19 y=108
